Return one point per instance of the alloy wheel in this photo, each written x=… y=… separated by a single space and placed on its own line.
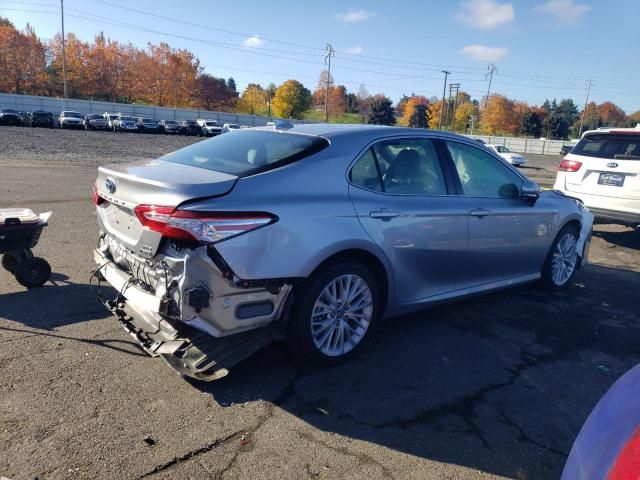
x=341 y=315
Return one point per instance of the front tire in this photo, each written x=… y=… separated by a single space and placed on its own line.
x=334 y=313
x=562 y=261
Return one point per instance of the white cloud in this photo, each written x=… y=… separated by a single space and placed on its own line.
x=253 y=41
x=354 y=50
x=485 y=14
x=355 y=15
x=483 y=53
x=565 y=10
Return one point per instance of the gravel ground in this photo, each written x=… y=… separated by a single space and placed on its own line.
x=492 y=387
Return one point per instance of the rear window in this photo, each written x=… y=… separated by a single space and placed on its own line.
x=248 y=152
x=147 y=120
x=210 y=124
x=71 y=114
x=609 y=146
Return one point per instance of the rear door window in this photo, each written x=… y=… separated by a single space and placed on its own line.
x=610 y=146
x=248 y=152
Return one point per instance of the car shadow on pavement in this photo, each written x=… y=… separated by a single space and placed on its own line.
x=499 y=383
x=629 y=238
x=56 y=304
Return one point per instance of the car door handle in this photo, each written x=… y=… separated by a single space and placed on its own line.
x=384 y=214
x=480 y=212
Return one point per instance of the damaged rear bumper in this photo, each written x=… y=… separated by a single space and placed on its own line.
x=180 y=306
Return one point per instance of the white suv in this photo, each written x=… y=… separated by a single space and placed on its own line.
x=603 y=170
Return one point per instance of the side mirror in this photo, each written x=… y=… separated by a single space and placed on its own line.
x=529 y=191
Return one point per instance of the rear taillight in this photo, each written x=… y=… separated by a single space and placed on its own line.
x=569 y=165
x=95 y=195
x=208 y=227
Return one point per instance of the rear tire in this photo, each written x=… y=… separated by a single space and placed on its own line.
x=562 y=261
x=334 y=313
x=33 y=272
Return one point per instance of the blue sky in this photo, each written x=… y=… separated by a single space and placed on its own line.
x=542 y=48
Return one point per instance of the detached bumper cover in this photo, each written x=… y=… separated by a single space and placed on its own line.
x=201 y=339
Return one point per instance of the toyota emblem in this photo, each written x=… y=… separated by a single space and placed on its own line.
x=111 y=185
x=612 y=165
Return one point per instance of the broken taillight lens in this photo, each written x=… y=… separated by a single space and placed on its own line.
x=207 y=227
x=96 y=199
x=569 y=165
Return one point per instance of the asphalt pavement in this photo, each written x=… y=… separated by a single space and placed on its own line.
x=491 y=387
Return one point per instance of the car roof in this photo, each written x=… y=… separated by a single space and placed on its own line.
x=635 y=130
x=330 y=130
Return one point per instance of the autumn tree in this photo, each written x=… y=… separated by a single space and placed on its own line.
x=381 y=112
x=291 y=100
x=611 y=115
x=464 y=111
x=214 y=93
x=408 y=108
x=435 y=108
x=253 y=99
x=22 y=59
x=498 y=115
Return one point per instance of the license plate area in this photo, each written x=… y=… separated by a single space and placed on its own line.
x=611 y=179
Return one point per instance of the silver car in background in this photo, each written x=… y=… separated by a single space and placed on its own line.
x=312 y=233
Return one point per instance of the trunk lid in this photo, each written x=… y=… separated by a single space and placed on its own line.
x=616 y=177
x=150 y=182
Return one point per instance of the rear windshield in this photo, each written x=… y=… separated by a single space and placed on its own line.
x=170 y=122
x=126 y=118
x=94 y=117
x=210 y=124
x=147 y=120
x=610 y=146
x=71 y=114
x=248 y=152
x=502 y=149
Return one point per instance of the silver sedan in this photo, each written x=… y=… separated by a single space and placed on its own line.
x=312 y=234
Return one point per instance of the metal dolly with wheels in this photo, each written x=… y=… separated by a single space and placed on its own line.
x=20 y=231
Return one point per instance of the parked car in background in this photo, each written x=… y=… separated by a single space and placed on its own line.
x=190 y=127
x=511 y=157
x=9 y=116
x=603 y=171
x=93 y=121
x=567 y=148
x=227 y=127
x=220 y=247
x=147 y=125
x=38 y=118
x=109 y=118
x=68 y=119
x=125 y=123
x=169 y=127
x=209 y=128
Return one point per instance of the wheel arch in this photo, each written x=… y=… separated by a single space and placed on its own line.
x=371 y=261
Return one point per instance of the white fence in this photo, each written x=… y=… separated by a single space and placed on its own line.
x=29 y=103
x=526 y=145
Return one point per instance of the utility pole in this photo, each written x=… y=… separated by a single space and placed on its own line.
x=327 y=61
x=472 y=118
x=492 y=69
x=444 y=92
x=64 y=57
x=585 y=107
x=456 y=87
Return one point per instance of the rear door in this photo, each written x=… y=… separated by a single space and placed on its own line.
x=508 y=237
x=610 y=165
x=405 y=204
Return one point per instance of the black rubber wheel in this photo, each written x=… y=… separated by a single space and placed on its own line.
x=10 y=261
x=33 y=272
x=310 y=323
x=551 y=278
